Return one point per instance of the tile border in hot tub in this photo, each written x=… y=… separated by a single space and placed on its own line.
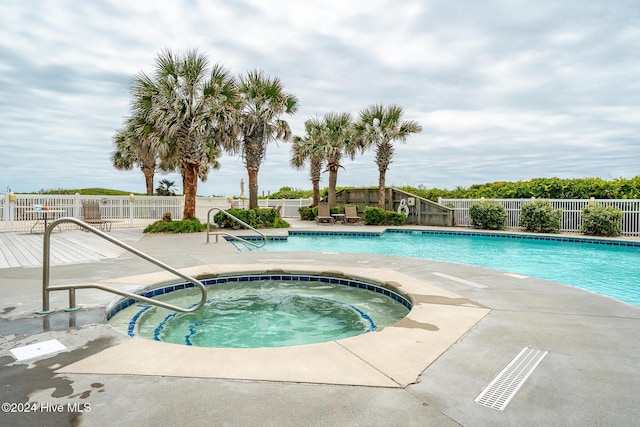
x=250 y=277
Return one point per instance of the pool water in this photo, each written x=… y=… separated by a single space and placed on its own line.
x=610 y=270
x=265 y=313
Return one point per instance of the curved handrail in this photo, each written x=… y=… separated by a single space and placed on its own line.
x=245 y=241
x=71 y=288
x=235 y=218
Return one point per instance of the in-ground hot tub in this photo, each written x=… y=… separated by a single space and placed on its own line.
x=264 y=310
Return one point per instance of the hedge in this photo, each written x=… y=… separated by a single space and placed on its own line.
x=599 y=220
x=256 y=218
x=488 y=215
x=377 y=216
x=539 y=215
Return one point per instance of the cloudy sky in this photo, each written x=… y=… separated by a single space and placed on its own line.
x=504 y=89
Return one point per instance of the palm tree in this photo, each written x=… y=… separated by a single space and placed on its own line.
x=263 y=101
x=166 y=188
x=307 y=149
x=133 y=148
x=379 y=127
x=336 y=140
x=191 y=109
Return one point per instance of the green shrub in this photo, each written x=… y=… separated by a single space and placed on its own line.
x=488 y=215
x=223 y=221
x=266 y=217
x=280 y=223
x=395 y=218
x=256 y=218
x=192 y=225
x=541 y=188
x=290 y=193
x=308 y=213
x=599 y=220
x=336 y=210
x=377 y=216
x=539 y=215
x=373 y=216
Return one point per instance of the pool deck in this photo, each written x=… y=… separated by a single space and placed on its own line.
x=467 y=324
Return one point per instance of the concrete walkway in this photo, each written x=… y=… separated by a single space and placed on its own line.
x=588 y=377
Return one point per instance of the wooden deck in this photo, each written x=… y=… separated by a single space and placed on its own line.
x=67 y=247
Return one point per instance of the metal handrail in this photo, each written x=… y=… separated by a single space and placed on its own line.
x=264 y=237
x=46 y=289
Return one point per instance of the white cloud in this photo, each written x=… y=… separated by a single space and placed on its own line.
x=505 y=90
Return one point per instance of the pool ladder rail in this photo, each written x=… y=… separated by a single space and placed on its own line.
x=46 y=289
x=224 y=233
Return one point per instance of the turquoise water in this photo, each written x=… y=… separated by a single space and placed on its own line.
x=264 y=313
x=604 y=269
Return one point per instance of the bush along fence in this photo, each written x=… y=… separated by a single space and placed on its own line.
x=571 y=215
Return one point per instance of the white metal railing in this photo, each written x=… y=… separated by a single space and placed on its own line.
x=17 y=211
x=224 y=233
x=47 y=289
x=571 y=212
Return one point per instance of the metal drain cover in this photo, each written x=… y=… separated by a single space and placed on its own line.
x=506 y=384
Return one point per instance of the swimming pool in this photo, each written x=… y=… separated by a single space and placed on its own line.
x=607 y=269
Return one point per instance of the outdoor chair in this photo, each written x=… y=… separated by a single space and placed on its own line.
x=351 y=215
x=324 y=215
x=91 y=215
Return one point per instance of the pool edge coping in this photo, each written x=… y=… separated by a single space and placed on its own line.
x=360 y=360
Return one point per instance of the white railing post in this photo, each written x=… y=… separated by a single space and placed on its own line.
x=5 y=208
x=5 y=211
x=76 y=205
x=11 y=207
x=132 y=200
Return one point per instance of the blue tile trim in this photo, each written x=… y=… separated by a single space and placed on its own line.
x=255 y=238
x=445 y=232
x=134 y=320
x=158 y=330
x=336 y=233
x=254 y=277
x=520 y=236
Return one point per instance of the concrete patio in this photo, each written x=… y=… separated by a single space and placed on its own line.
x=483 y=319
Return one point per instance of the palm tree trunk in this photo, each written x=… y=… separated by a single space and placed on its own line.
x=190 y=186
x=315 y=172
x=381 y=192
x=333 y=180
x=316 y=193
x=253 y=187
x=148 y=179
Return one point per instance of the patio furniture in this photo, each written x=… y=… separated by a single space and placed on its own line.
x=351 y=215
x=338 y=217
x=91 y=215
x=43 y=213
x=324 y=215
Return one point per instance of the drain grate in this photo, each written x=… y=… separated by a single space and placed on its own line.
x=507 y=383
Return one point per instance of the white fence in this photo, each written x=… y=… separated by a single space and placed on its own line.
x=571 y=212
x=19 y=213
